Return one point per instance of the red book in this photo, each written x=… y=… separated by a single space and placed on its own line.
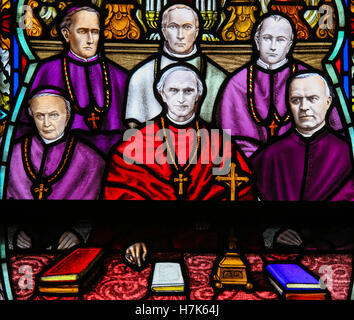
x=74 y=266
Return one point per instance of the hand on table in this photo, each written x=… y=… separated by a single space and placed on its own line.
x=67 y=240
x=289 y=237
x=23 y=241
x=136 y=253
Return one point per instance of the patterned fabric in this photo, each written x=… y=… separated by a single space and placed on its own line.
x=120 y=282
x=335 y=269
x=24 y=271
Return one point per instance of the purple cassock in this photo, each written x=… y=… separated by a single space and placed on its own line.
x=312 y=169
x=66 y=169
x=253 y=105
x=96 y=87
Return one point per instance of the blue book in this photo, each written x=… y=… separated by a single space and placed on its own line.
x=292 y=276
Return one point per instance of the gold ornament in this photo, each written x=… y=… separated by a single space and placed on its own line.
x=119 y=23
x=33 y=26
x=241 y=22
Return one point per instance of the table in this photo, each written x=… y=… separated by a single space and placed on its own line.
x=120 y=282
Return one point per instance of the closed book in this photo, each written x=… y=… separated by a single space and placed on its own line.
x=167 y=277
x=65 y=287
x=74 y=267
x=293 y=276
x=302 y=290
x=317 y=294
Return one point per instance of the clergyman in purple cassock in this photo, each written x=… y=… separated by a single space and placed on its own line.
x=310 y=162
x=80 y=179
x=95 y=84
x=53 y=164
x=253 y=103
x=316 y=168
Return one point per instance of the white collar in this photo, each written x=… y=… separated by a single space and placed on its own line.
x=177 y=55
x=181 y=123
x=310 y=135
x=46 y=141
x=83 y=59
x=274 y=66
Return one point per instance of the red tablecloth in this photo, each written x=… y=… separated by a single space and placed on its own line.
x=120 y=282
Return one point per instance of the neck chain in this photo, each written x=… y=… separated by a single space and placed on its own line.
x=271 y=122
x=180 y=179
x=41 y=187
x=93 y=113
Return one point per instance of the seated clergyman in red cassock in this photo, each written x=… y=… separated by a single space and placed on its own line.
x=177 y=156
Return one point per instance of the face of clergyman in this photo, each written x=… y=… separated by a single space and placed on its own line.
x=180 y=31
x=84 y=34
x=50 y=116
x=180 y=93
x=309 y=103
x=274 y=41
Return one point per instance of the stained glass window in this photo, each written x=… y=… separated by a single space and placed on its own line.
x=29 y=34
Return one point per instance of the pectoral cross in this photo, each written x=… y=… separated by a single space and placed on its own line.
x=231 y=180
x=40 y=191
x=93 y=120
x=272 y=128
x=180 y=180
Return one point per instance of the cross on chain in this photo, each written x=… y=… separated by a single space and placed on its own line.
x=180 y=180
x=40 y=191
x=231 y=179
x=93 y=120
x=272 y=128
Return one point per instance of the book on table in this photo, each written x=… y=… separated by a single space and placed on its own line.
x=73 y=273
x=294 y=282
x=167 y=277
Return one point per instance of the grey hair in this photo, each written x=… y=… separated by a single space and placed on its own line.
x=67 y=20
x=276 y=18
x=328 y=90
x=161 y=82
x=178 y=6
x=38 y=95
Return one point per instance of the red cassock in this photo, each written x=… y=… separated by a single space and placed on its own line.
x=144 y=165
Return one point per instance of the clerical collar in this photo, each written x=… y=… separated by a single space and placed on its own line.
x=180 y=56
x=267 y=66
x=303 y=134
x=46 y=141
x=75 y=56
x=310 y=135
x=181 y=123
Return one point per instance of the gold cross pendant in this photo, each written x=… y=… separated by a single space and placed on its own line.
x=40 y=190
x=180 y=181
